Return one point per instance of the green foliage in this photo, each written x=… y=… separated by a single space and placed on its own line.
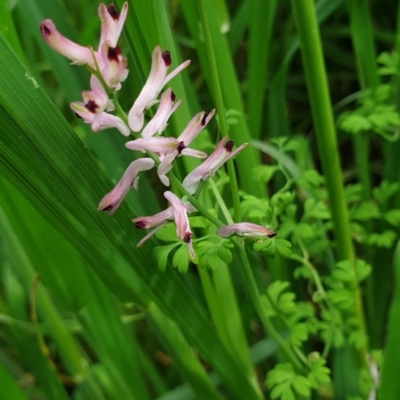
x=212 y=255
x=284 y=383
x=374 y=114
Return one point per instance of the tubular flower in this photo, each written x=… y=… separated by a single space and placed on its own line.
x=181 y=220
x=245 y=229
x=92 y=110
x=165 y=109
x=155 y=145
x=111 y=23
x=155 y=221
x=111 y=201
x=177 y=211
x=111 y=63
x=108 y=58
x=79 y=55
x=193 y=128
x=157 y=79
x=220 y=155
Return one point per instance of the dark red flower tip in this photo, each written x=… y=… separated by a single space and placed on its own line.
x=113 y=53
x=229 y=145
x=188 y=237
x=106 y=208
x=78 y=116
x=91 y=106
x=166 y=56
x=140 y=225
x=272 y=234
x=113 y=12
x=180 y=147
x=172 y=96
x=203 y=120
x=44 y=30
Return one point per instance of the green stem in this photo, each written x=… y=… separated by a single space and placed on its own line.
x=321 y=108
x=256 y=299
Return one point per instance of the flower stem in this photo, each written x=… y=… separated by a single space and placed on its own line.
x=256 y=299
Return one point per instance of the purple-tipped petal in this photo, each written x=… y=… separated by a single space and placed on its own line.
x=245 y=229
x=111 y=23
x=217 y=158
x=77 y=54
x=99 y=121
x=155 y=145
x=112 y=65
x=155 y=221
x=153 y=86
x=181 y=220
x=195 y=126
x=111 y=201
x=165 y=109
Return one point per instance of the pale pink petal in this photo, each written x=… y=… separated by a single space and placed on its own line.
x=106 y=120
x=165 y=109
x=111 y=23
x=154 y=220
x=245 y=229
x=155 y=145
x=175 y=72
x=77 y=54
x=100 y=120
x=153 y=86
x=220 y=155
x=181 y=220
x=96 y=86
x=195 y=126
x=193 y=153
x=111 y=201
x=112 y=66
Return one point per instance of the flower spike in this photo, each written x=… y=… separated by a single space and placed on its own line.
x=157 y=79
x=245 y=229
x=111 y=201
x=220 y=155
x=79 y=55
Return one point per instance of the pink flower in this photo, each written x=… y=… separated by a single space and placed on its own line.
x=181 y=221
x=111 y=23
x=178 y=212
x=111 y=62
x=165 y=109
x=220 y=155
x=111 y=201
x=157 y=79
x=155 y=221
x=155 y=145
x=92 y=110
x=77 y=54
x=112 y=65
x=193 y=128
x=245 y=229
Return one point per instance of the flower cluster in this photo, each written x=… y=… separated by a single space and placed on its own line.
x=108 y=69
